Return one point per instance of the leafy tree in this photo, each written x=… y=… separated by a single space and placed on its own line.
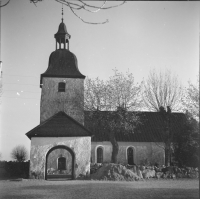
x=19 y=153
x=162 y=89
x=190 y=99
x=186 y=146
x=119 y=91
x=109 y=103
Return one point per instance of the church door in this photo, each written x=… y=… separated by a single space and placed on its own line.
x=61 y=163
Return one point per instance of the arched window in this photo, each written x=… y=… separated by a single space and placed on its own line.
x=130 y=155
x=99 y=155
x=61 y=87
x=61 y=163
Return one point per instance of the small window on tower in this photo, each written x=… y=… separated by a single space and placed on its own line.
x=61 y=87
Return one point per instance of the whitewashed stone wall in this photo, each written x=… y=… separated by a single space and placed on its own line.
x=70 y=101
x=144 y=152
x=81 y=146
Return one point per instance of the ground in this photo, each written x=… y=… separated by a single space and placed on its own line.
x=151 y=189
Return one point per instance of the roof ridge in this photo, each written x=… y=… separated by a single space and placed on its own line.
x=137 y=112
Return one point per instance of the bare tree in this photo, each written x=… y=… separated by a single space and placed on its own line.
x=19 y=153
x=162 y=92
x=78 y=5
x=5 y=4
x=162 y=89
x=190 y=99
x=109 y=104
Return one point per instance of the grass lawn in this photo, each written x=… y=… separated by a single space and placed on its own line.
x=149 y=189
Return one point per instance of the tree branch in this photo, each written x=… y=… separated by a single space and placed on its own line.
x=85 y=6
x=5 y=4
x=109 y=7
x=83 y=19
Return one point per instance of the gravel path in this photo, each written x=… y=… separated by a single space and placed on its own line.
x=151 y=189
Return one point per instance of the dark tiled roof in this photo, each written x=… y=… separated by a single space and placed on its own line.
x=151 y=128
x=62 y=63
x=59 y=125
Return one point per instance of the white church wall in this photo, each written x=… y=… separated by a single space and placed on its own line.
x=144 y=152
x=81 y=146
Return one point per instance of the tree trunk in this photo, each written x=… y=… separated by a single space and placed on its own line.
x=169 y=139
x=167 y=153
x=115 y=147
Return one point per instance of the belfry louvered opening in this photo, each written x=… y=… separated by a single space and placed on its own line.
x=61 y=87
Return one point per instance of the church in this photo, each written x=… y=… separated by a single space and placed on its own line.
x=62 y=146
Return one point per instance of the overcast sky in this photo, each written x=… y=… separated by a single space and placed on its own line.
x=139 y=36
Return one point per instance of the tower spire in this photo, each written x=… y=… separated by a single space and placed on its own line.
x=62 y=13
x=62 y=36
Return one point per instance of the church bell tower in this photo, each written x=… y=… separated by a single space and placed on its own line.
x=62 y=83
x=60 y=144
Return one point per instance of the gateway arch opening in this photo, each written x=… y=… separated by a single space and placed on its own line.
x=59 y=163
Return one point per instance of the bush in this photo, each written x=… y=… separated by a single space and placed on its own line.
x=15 y=169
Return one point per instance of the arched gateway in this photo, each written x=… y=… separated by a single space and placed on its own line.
x=60 y=163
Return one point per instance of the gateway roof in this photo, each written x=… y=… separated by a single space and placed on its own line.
x=59 y=125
